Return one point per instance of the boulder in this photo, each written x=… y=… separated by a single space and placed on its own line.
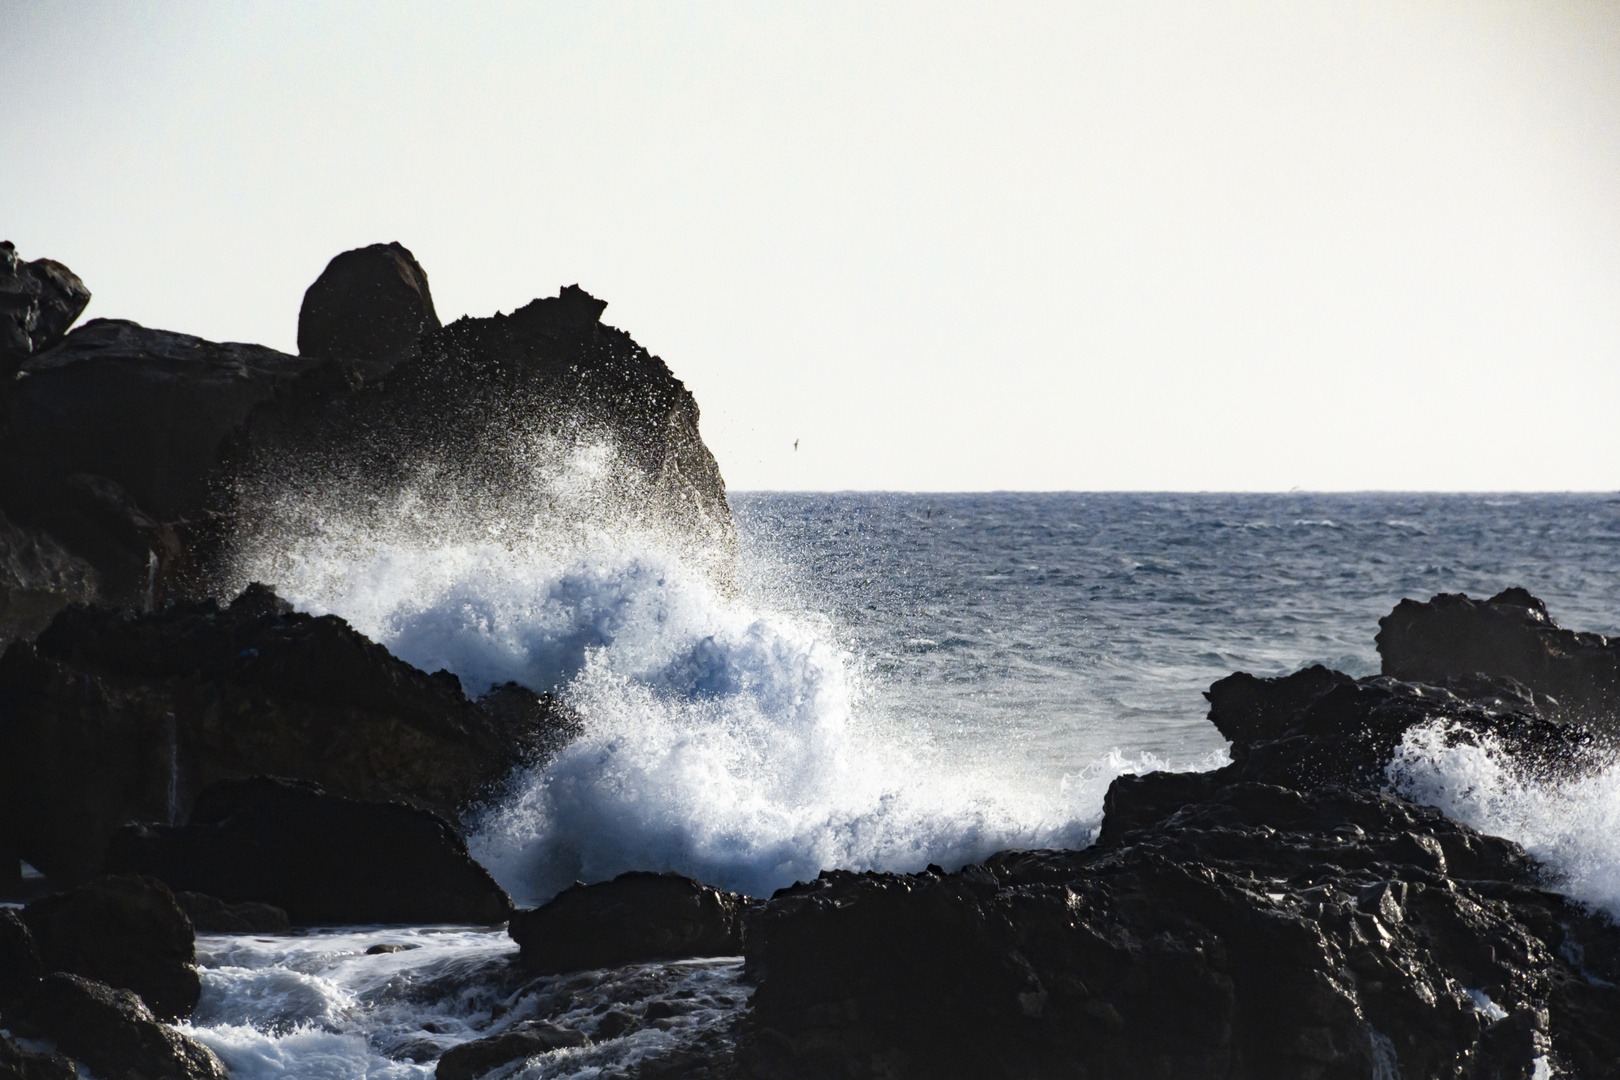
x=39 y=300
x=38 y=577
x=473 y=1059
x=112 y=1032
x=369 y=305
x=125 y=931
x=1511 y=635
x=323 y=859
x=636 y=916
x=108 y=718
x=211 y=915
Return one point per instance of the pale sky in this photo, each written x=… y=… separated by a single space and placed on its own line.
x=1133 y=245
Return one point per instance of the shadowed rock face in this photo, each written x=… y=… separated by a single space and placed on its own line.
x=1510 y=635
x=1280 y=917
x=108 y=719
x=124 y=931
x=368 y=306
x=320 y=858
x=112 y=1032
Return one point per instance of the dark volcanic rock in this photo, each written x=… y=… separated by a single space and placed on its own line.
x=636 y=916
x=107 y=719
x=112 y=1032
x=1255 y=932
x=211 y=915
x=125 y=931
x=474 y=1059
x=19 y=1064
x=39 y=300
x=1510 y=635
x=19 y=957
x=369 y=305
x=320 y=858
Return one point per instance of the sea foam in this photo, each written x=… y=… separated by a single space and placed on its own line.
x=1571 y=825
x=725 y=737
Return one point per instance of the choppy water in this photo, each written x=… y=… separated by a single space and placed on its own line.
x=889 y=681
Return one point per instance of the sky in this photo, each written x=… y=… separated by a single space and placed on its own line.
x=1045 y=246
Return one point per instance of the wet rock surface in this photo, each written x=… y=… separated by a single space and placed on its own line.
x=108 y=718
x=1281 y=917
x=474 y=1059
x=636 y=916
x=320 y=858
x=111 y=1032
x=126 y=931
x=211 y=915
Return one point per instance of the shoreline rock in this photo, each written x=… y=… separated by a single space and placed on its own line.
x=321 y=859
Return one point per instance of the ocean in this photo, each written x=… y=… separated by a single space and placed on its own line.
x=870 y=681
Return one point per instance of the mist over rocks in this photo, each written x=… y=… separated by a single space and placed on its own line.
x=135 y=462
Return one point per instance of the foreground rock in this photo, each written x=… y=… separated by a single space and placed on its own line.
x=107 y=719
x=1510 y=636
x=127 y=932
x=1280 y=917
x=111 y=1032
x=636 y=916
x=321 y=858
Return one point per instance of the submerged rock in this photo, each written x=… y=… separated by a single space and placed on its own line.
x=474 y=1059
x=112 y=1032
x=125 y=931
x=107 y=719
x=636 y=916
x=321 y=858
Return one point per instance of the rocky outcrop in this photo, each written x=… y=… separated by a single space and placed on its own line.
x=1452 y=637
x=321 y=858
x=19 y=957
x=111 y=1032
x=17 y=1063
x=1281 y=917
x=127 y=932
x=39 y=300
x=636 y=916
x=108 y=718
x=131 y=458
x=368 y=306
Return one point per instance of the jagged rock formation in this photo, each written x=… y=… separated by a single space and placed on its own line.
x=129 y=457
x=111 y=1032
x=320 y=858
x=1280 y=917
x=637 y=916
x=1509 y=636
x=109 y=718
